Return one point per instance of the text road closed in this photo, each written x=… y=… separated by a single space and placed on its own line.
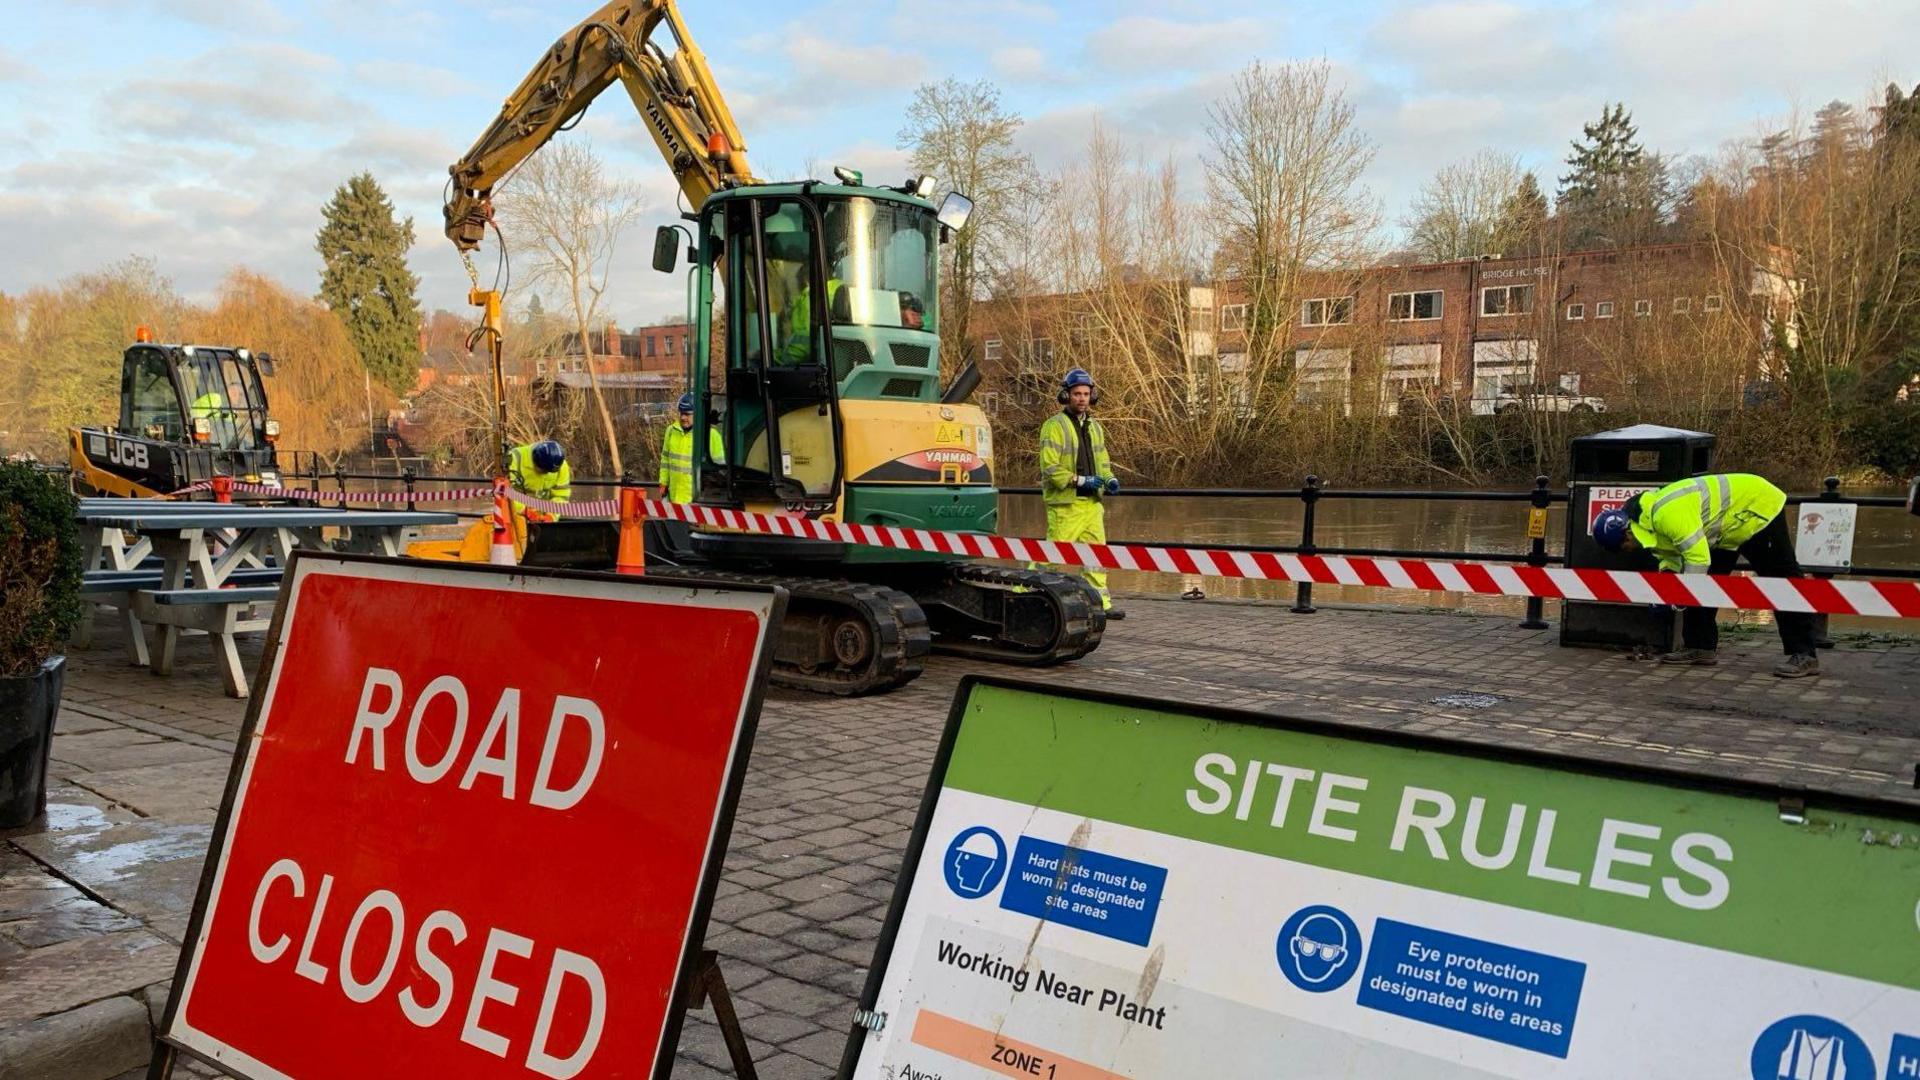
x=473 y=827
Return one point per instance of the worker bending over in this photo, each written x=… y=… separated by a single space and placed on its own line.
x=1704 y=526
x=676 y=454
x=1075 y=474
x=540 y=470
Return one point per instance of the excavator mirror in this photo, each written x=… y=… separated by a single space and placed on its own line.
x=264 y=361
x=666 y=248
x=954 y=211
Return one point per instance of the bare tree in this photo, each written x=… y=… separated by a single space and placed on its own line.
x=961 y=134
x=1456 y=213
x=1284 y=174
x=563 y=208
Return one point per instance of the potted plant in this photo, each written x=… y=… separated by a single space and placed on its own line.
x=40 y=572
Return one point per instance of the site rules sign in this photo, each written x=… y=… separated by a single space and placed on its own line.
x=1103 y=887
x=474 y=824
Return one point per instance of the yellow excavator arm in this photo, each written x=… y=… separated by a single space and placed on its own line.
x=674 y=92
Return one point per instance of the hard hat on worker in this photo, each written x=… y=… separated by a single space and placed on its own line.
x=1076 y=377
x=1611 y=527
x=548 y=456
x=686 y=402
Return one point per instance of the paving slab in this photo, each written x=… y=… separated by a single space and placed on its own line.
x=149 y=869
x=53 y=979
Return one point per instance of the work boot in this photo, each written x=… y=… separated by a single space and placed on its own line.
x=1798 y=666
x=1114 y=614
x=1696 y=657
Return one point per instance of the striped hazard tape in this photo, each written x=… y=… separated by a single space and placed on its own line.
x=1888 y=599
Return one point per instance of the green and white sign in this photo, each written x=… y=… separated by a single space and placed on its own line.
x=1104 y=887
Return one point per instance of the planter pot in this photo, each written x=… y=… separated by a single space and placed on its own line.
x=27 y=709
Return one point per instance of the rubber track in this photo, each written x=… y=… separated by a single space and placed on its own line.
x=1079 y=620
x=899 y=628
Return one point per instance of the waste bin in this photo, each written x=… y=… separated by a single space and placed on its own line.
x=1608 y=469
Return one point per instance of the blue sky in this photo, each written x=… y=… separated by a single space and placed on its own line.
x=207 y=133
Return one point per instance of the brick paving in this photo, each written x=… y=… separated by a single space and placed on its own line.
x=91 y=911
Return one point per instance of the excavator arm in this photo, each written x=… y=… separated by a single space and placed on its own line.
x=674 y=91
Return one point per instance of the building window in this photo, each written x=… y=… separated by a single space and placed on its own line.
x=1712 y=303
x=1322 y=377
x=1506 y=300
x=1039 y=358
x=1327 y=311
x=1643 y=307
x=990 y=403
x=1200 y=321
x=653 y=343
x=1413 y=306
x=1603 y=310
x=671 y=342
x=539 y=367
x=1576 y=312
x=1233 y=317
x=990 y=349
x=1682 y=305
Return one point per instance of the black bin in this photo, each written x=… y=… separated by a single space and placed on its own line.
x=1608 y=467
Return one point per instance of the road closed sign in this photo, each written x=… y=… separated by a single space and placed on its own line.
x=1102 y=887
x=474 y=825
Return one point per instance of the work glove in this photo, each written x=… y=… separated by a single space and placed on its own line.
x=1113 y=485
x=1086 y=485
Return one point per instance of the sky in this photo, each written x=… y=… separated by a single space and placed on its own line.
x=207 y=134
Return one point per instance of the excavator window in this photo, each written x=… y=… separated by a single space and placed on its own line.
x=153 y=409
x=883 y=256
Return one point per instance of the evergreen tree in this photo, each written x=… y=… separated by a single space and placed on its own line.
x=1836 y=128
x=1617 y=193
x=365 y=280
x=1522 y=225
x=535 y=309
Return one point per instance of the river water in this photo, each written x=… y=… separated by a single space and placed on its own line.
x=1885 y=537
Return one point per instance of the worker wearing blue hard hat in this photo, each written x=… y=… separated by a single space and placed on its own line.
x=1076 y=474
x=540 y=469
x=676 y=454
x=1705 y=525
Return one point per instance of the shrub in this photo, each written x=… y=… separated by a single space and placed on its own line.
x=40 y=567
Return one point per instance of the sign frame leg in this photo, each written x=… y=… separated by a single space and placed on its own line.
x=710 y=985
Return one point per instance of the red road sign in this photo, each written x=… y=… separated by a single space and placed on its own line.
x=1602 y=499
x=475 y=825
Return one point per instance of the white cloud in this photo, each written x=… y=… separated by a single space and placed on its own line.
x=15 y=68
x=405 y=76
x=1147 y=43
x=1024 y=64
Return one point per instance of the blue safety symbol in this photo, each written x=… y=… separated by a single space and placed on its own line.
x=1811 y=1048
x=1319 y=948
x=975 y=863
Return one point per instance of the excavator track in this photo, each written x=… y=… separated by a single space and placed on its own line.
x=1038 y=617
x=838 y=637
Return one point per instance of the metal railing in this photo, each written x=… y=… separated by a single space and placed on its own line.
x=1309 y=494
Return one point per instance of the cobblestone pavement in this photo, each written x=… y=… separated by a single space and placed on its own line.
x=92 y=910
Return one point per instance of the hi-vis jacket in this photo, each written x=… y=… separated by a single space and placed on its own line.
x=676 y=460
x=555 y=486
x=1683 y=522
x=1059 y=453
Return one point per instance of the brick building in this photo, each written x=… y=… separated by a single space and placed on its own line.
x=651 y=349
x=1559 y=332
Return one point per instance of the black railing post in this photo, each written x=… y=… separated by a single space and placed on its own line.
x=406 y=475
x=340 y=479
x=1822 y=639
x=1537 y=551
x=1309 y=495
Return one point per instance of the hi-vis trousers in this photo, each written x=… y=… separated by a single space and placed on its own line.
x=1083 y=521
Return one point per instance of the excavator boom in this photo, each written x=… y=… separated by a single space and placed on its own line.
x=673 y=90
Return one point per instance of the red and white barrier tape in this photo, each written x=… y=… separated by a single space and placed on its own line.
x=1894 y=599
x=1891 y=599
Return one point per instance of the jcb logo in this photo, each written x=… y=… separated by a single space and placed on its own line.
x=127 y=452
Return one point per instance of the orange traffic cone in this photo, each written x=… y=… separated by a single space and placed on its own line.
x=632 y=558
x=501 y=553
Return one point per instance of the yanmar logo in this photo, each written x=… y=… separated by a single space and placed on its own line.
x=667 y=137
x=954 y=510
x=950 y=457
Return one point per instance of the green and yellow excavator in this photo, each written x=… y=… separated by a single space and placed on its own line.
x=816 y=310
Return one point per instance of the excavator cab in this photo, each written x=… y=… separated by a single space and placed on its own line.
x=187 y=413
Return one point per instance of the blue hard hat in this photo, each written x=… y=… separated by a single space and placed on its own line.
x=1076 y=377
x=686 y=402
x=547 y=455
x=1610 y=528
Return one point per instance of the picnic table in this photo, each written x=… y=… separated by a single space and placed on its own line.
x=211 y=567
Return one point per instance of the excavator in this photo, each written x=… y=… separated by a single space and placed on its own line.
x=187 y=413
x=817 y=358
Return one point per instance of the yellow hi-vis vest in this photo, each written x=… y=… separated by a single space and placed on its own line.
x=208 y=404
x=555 y=486
x=1059 y=452
x=676 y=460
x=1683 y=522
